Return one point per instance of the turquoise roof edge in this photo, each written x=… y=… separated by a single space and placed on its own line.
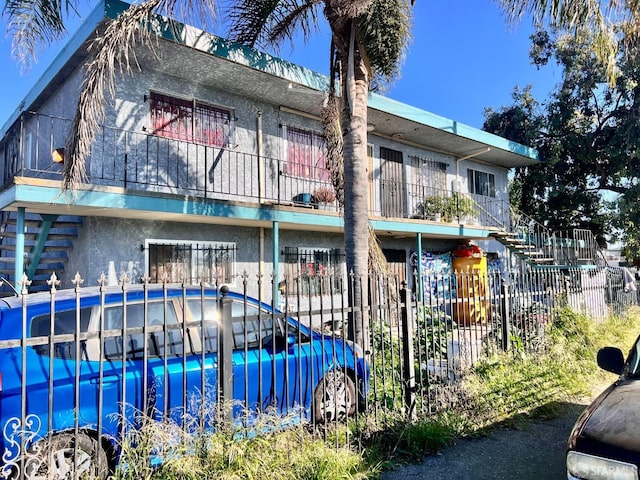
x=250 y=57
x=415 y=114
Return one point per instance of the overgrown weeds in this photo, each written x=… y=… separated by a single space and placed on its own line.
x=510 y=388
x=236 y=453
x=507 y=388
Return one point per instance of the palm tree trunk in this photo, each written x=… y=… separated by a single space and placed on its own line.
x=355 y=89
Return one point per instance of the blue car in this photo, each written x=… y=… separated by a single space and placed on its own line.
x=79 y=366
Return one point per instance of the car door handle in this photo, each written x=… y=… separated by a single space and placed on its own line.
x=106 y=380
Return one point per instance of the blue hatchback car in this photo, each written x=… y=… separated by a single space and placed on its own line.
x=77 y=365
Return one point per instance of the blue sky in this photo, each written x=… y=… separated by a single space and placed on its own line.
x=460 y=61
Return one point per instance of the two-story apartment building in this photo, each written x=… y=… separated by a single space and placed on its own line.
x=211 y=163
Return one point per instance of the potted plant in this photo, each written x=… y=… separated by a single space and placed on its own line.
x=432 y=207
x=458 y=206
x=324 y=197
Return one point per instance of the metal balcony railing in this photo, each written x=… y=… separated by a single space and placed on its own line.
x=140 y=161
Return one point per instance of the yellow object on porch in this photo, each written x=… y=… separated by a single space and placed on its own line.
x=472 y=285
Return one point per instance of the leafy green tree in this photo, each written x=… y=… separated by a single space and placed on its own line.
x=588 y=135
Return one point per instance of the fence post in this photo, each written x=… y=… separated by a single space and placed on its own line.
x=225 y=352
x=409 y=379
x=506 y=314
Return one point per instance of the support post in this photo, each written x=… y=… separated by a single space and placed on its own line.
x=506 y=314
x=19 y=266
x=225 y=357
x=275 y=242
x=420 y=286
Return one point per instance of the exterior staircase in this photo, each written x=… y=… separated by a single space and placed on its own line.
x=48 y=240
x=533 y=244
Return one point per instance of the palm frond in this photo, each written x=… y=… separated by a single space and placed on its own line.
x=296 y=17
x=604 y=19
x=35 y=23
x=270 y=22
x=113 y=54
x=332 y=130
x=248 y=20
x=112 y=51
x=384 y=32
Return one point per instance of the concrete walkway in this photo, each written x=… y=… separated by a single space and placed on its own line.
x=536 y=451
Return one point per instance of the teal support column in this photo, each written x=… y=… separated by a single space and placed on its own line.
x=275 y=242
x=419 y=267
x=19 y=266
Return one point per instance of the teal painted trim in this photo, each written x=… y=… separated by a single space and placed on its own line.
x=420 y=291
x=85 y=30
x=446 y=229
x=194 y=206
x=36 y=254
x=275 y=244
x=182 y=206
x=19 y=266
x=429 y=119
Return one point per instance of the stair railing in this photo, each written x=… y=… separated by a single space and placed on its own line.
x=536 y=237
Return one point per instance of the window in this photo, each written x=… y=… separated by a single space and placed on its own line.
x=306 y=155
x=428 y=175
x=314 y=271
x=209 y=262
x=158 y=344
x=191 y=121
x=259 y=325
x=64 y=323
x=481 y=183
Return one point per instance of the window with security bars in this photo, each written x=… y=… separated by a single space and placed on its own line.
x=428 y=175
x=191 y=121
x=313 y=271
x=306 y=154
x=211 y=262
x=481 y=183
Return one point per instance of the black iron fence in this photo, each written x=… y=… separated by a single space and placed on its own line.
x=80 y=369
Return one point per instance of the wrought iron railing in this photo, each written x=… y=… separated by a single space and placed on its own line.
x=141 y=161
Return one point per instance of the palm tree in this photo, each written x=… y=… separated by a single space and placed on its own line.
x=368 y=40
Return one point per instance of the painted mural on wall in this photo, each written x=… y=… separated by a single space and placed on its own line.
x=437 y=278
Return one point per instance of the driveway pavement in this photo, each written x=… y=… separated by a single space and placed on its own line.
x=535 y=451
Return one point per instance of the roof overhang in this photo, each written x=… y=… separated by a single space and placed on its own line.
x=214 y=61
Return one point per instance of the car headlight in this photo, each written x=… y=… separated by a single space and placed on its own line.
x=584 y=466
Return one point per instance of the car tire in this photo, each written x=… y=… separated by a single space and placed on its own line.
x=56 y=458
x=334 y=398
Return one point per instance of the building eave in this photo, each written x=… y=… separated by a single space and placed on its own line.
x=291 y=86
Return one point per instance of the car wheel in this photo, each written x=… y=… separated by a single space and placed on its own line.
x=335 y=397
x=56 y=458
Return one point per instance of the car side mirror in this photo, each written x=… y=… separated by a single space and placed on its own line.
x=281 y=342
x=611 y=359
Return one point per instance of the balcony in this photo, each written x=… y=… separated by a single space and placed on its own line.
x=142 y=162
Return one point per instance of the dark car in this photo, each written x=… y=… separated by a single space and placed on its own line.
x=605 y=441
